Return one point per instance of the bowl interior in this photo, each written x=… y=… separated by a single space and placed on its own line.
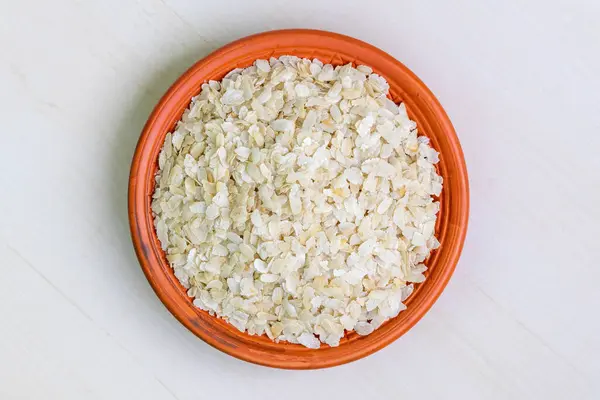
x=336 y=49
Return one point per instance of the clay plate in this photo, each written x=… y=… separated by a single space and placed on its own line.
x=336 y=49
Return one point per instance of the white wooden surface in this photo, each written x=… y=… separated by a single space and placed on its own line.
x=519 y=79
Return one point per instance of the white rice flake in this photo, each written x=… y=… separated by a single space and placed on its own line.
x=294 y=199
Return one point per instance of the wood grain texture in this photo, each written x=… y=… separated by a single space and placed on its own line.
x=78 y=80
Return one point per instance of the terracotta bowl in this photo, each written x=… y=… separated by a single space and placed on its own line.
x=336 y=49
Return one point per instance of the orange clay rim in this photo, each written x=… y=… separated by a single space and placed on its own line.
x=336 y=49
